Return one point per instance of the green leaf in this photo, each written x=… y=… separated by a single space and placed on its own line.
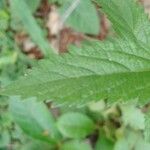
x=104 y=144
x=147 y=127
x=2 y=4
x=30 y=25
x=76 y=145
x=128 y=141
x=4 y=20
x=38 y=145
x=116 y=70
x=132 y=140
x=8 y=59
x=97 y=107
x=122 y=144
x=75 y=125
x=34 y=119
x=33 y=5
x=82 y=16
x=4 y=139
x=142 y=145
x=129 y=116
x=128 y=19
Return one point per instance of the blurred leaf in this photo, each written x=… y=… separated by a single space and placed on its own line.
x=75 y=125
x=4 y=20
x=3 y=100
x=122 y=144
x=4 y=139
x=129 y=116
x=76 y=145
x=34 y=119
x=9 y=59
x=147 y=127
x=142 y=145
x=37 y=145
x=2 y=4
x=131 y=140
x=97 y=107
x=33 y=4
x=31 y=26
x=5 y=119
x=103 y=143
x=82 y=16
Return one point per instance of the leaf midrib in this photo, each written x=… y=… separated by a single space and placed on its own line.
x=84 y=76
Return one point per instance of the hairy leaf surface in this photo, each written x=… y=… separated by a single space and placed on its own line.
x=113 y=70
x=118 y=70
x=128 y=19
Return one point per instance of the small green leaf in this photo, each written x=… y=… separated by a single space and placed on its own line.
x=75 y=125
x=83 y=18
x=8 y=59
x=34 y=119
x=129 y=140
x=122 y=144
x=76 y=145
x=129 y=116
x=97 y=107
x=104 y=144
